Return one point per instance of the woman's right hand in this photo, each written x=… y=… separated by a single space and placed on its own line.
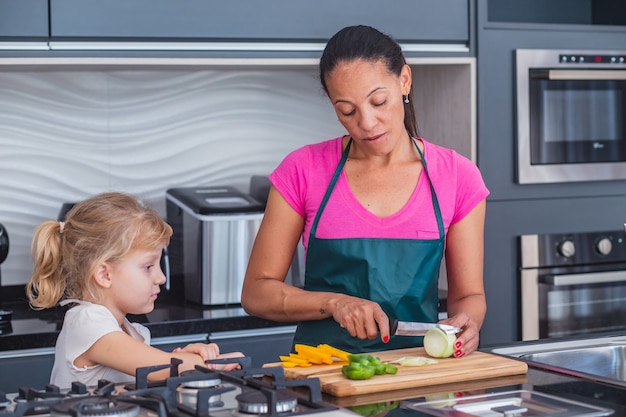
x=361 y=318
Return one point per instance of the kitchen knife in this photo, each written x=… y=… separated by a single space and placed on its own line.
x=413 y=328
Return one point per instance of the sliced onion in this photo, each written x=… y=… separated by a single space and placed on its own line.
x=414 y=361
x=438 y=343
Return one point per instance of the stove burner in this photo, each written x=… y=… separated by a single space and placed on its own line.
x=202 y=383
x=255 y=402
x=188 y=392
x=93 y=407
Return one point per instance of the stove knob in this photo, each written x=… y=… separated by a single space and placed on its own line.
x=78 y=388
x=604 y=246
x=567 y=249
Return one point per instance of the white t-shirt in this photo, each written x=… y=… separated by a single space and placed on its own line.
x=83 y=325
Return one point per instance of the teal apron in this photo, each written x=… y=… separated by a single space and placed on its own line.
x=401 y=275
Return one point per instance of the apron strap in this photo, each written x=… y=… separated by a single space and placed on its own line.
x=335 y=178
x=433 y=194
x=331 y=187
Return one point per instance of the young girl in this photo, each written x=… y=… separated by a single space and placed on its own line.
x=105 y=258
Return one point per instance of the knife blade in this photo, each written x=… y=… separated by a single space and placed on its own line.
x=413 y=328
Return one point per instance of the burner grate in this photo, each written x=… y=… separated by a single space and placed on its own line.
x=254 y=392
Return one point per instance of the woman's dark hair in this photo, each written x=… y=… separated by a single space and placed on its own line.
x=369 y=44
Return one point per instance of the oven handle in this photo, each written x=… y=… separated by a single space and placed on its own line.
x=586 y=75
x=581 y=279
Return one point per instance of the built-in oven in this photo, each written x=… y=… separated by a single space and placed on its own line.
x=571 y=115
x=572 y=283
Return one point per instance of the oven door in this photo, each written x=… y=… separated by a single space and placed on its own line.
x=577 y=116
x=571 y=115
x=573 y=304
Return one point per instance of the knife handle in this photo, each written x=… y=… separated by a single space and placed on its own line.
x=393 y=326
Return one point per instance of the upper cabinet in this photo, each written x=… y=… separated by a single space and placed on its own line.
x=232 y=20
x=441 y=25
x=23 y=20
x=557 y=12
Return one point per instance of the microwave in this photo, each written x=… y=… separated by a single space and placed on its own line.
x=571 y=115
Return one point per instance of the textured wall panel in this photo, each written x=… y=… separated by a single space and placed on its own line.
x=65 y=135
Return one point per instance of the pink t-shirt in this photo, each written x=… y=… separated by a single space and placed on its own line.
x=304 y=175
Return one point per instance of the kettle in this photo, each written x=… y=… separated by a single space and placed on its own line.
x=4 y=243
x=5 y=315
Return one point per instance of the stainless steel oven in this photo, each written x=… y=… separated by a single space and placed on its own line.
x=571 y=115
x=572 y=283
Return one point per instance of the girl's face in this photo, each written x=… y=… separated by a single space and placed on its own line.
x=368 y=102
x=134 y=283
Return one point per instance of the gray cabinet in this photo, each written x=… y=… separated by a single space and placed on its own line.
x=23 y=20
x=25 y=368
x=252 y=20
x=261 y=345
x=570 y=12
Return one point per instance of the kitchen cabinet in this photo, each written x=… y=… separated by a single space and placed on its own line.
x=25 y=368
x=516 y=209
x=261 y=345
x=32 y=367
x=252 y=21
x=23 y=20
x=579 y=12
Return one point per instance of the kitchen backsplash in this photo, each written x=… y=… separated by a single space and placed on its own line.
x=67 y=133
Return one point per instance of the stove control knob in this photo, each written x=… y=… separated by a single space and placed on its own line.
x=604 y=246
x=567 y=249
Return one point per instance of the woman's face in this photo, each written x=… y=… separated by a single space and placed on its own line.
x=368 y=102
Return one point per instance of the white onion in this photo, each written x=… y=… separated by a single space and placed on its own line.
x=414 y=361
x=438 y=343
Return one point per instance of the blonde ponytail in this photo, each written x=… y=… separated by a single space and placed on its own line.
x=47 y=284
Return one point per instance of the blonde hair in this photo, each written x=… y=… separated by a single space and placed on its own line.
x=103 y=228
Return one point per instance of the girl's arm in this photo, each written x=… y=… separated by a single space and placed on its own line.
x=119 y=351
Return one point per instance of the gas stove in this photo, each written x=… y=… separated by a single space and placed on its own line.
x=202 y=392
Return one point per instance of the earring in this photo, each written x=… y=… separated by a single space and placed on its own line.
x=406 y=99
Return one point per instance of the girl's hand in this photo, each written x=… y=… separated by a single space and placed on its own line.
x=467 y=340
x=208 y=351
x=205 y=350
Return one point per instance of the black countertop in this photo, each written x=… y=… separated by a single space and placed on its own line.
x=30 y=329
x=172 y=316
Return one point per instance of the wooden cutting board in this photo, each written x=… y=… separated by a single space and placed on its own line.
x=477 y=365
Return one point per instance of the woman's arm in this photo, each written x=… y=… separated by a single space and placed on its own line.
x=464 y=266
x=265 y=294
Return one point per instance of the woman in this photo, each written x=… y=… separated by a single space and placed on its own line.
x=375 y=209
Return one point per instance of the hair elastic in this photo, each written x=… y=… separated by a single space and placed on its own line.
x=61 y=227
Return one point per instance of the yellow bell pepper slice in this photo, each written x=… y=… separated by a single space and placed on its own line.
x=313 y=354
x=293 y=358
x=333 y=351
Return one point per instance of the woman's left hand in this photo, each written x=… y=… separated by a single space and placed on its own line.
x=467 y=340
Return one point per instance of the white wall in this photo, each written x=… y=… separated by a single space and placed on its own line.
x=67 y=134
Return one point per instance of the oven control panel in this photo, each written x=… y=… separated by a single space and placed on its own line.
x=591 y=59
x=573 y=248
